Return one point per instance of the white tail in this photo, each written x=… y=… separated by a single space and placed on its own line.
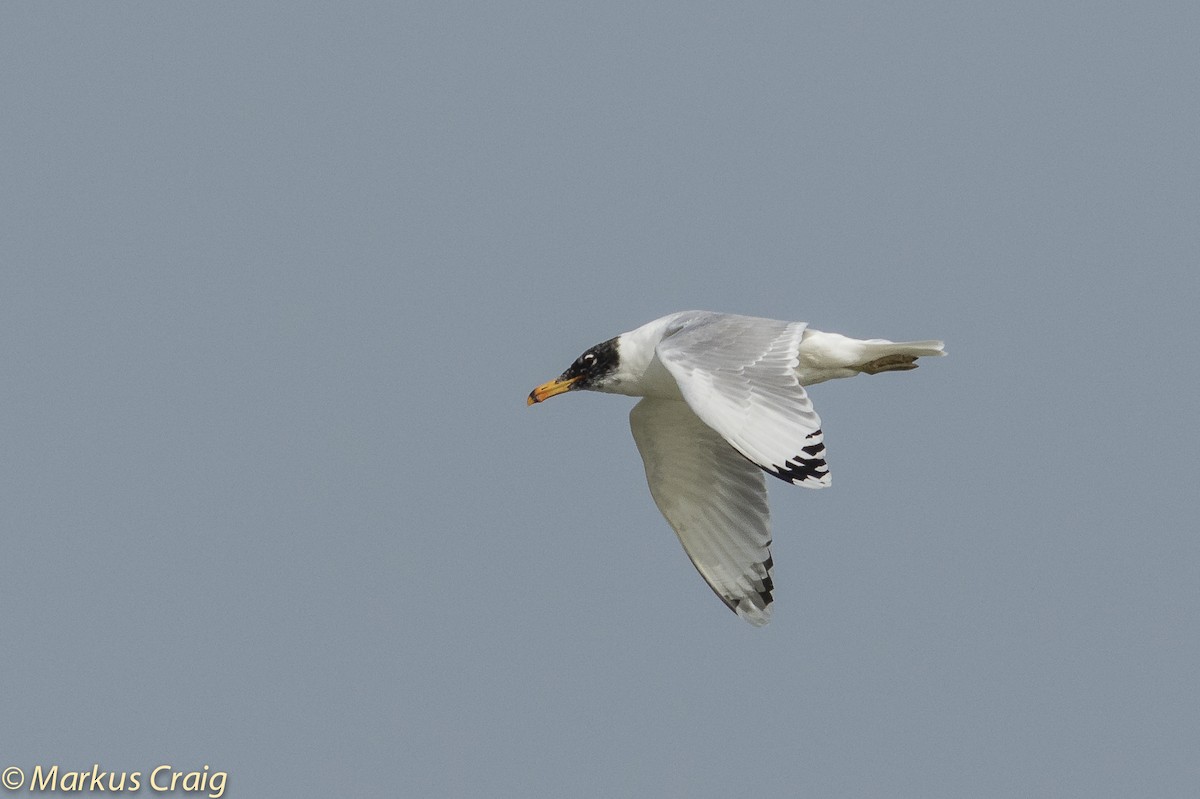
x=825 y=356
x=879 y=347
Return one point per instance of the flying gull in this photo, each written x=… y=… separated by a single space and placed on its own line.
x=723 y=401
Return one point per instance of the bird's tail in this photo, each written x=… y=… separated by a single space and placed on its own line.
x=825 y=356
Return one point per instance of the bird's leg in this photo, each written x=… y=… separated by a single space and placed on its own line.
x=889 y=363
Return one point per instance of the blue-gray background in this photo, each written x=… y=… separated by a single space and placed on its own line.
x=277 y=279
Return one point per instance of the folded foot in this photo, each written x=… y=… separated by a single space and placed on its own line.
x=889 y=363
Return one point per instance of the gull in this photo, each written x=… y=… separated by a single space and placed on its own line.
x=723 y=401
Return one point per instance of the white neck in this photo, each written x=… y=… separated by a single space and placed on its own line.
x=639 y=372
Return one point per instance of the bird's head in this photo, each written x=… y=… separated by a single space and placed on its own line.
x=591 y=371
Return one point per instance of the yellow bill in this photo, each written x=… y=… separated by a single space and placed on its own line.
x=547 y=390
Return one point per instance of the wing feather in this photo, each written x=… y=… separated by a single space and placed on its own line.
x=715 y=501
x=738 y=374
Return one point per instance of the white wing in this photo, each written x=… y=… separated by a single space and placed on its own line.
x=738 y=374
x=715 y=500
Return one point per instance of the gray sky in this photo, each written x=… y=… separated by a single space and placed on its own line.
x=277 y=279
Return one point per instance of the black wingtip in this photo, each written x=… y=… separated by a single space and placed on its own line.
x=807 y=467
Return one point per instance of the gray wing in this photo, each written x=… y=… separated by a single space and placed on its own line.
x=738 y=373
x=714 y=499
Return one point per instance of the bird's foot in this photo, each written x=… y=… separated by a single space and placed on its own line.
x=889 y=363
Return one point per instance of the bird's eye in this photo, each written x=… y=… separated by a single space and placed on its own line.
x=588 y=359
